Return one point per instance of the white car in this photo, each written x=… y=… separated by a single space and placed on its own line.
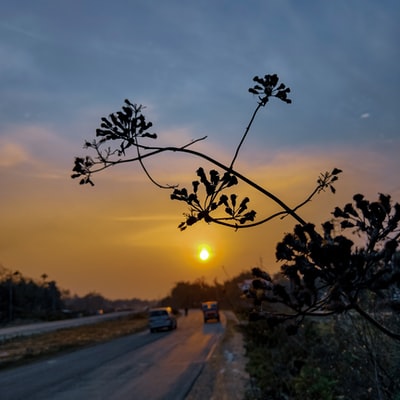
x=161 y=318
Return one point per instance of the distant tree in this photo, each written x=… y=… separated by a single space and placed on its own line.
x=92 y=303
x=23 y=298
x=192 y=294
x=323 y=268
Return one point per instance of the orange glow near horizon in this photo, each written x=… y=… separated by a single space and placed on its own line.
x=93 y=240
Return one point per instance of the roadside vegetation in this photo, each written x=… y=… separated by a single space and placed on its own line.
x=20 y=350
x=339 y=358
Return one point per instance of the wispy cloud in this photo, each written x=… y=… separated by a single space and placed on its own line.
x=12 y=154
x=18 y=29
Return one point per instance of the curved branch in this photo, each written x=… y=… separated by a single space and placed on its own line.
x=375 y=323
x=245 y=134
x=307 y=200
x=158 y=150
x=139 y=156
x=219 y=221
x=244 y=179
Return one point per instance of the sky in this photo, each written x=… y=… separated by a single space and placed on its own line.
x=65 y=64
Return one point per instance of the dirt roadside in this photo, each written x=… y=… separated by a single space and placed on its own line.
x=224 y=376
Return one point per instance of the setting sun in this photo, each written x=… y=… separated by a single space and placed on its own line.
x=204 y=253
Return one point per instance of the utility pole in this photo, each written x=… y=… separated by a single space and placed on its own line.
x=10 y=300
x=10 y=295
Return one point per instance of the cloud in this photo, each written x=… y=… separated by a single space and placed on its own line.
x=365 y=115
x=35 y=146
x=13 y=28
x=12 y=154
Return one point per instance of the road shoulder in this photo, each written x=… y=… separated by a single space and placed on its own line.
x=224 y=376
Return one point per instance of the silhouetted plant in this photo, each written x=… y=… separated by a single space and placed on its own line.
x=327 y=274
x=127 y=129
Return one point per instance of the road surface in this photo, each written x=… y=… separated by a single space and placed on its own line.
x=144 y=366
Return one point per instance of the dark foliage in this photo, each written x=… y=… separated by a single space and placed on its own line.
x=266 y=87
x=23 y=298
x=336 y=358
x=327 y=273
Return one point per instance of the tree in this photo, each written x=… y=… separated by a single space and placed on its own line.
x=329 y=274
x=210 y=199
x=22 y=297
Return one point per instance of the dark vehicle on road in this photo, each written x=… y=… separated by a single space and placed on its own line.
x=210 y=310
x=161 y=318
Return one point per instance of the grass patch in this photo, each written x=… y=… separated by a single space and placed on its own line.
x=20 y=350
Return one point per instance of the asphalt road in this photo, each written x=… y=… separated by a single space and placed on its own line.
x=143 y=366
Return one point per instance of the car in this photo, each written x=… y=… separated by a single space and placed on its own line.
x=210 y=310
x=162 y=318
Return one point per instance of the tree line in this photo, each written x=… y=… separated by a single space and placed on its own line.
x=27 y=299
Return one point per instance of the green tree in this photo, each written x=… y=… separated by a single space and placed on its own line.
x=325 y=273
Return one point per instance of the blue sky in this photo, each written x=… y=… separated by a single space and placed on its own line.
x=65 y=64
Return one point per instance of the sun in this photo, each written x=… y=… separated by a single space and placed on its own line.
x=204 y=252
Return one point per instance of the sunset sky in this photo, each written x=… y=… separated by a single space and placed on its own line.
x=65 y=64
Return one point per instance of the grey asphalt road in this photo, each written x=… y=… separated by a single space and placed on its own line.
x=142 y=366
